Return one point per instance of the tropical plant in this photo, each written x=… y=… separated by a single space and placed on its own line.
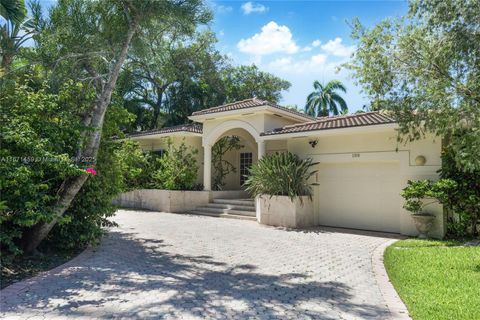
x=178 y=169
x=16 y=30
x=281 y=174
x=13 y=10
x=221 y=166
x=326 y=100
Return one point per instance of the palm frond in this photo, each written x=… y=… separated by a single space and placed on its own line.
x=335 y=85
x=281 y=174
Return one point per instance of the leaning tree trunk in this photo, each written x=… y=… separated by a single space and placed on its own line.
x=71 y=186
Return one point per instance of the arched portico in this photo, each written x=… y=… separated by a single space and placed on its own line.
x=216 y=133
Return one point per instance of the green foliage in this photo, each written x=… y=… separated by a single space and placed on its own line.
x=325 y=100
x=424 y=68
x=463 y=201
x=84 y=221
x=13 y=10
x=136 y=166
x=221 y=166
x=436 y=279
x=39 y=136
x=459 y=194
x=245 y=82
x=281 y=174
x=178 y=169
x=414 y=194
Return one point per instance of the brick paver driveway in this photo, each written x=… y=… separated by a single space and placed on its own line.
x=157 y=265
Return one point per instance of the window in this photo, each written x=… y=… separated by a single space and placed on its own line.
x=245 y=164
x=159 y=152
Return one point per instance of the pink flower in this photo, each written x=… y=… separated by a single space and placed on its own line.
x=91 y=171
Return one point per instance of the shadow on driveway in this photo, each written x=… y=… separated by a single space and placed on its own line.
x=135 y=277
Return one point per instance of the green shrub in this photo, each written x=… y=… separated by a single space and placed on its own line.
x=40 y=137
x=178 y=169
x=137 y=166
x=281 y=174
x=463 y=202
x=459 y=202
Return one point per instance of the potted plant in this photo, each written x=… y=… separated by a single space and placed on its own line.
x=415 y=195
x=283 y=194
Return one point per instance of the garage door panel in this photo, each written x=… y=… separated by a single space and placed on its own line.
x=360 y=195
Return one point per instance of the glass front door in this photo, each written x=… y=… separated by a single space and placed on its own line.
x=245 y=164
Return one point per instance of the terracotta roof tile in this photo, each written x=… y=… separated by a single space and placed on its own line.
x=193 y=128
x=245 y=104
x=325 y=123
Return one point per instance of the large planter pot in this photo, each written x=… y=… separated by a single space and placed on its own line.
x=281 y=211
x=423 y=223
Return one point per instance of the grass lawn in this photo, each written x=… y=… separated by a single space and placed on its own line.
x=436 y=279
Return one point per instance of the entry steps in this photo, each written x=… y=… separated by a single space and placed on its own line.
x=228 y=208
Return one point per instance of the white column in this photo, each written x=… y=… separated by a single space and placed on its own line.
x=207 y=167
x=261 y=149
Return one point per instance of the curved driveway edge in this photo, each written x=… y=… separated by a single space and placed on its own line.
x=395 y=305
x=169 y=266
x=17 y=287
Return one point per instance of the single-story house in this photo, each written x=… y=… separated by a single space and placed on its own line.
x=362 y=167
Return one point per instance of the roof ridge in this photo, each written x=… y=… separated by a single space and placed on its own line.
x=249 y=103
x=229 y=104
x=186 y=126
x=343 y=121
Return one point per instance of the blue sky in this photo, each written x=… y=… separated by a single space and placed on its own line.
x=300 y=41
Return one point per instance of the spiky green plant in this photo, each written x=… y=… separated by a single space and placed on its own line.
x=281 y=174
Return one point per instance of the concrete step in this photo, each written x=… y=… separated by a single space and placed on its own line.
x=235 y=216
x=240 y=202
x=251 y=213
x=222 y=215
x=204 y=213
x=230 y=206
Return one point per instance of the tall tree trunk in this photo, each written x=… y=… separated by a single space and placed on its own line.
x=156 y=111
x=71 y=186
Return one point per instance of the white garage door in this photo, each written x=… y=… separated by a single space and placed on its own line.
x=360 y=196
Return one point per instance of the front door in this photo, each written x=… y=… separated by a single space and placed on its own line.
x=245 y=164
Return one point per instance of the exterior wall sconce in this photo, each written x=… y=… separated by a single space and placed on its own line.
x=313 y=143
x=420 y=160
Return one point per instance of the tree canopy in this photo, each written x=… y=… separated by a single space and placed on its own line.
x=425 y=67
x=94 y=70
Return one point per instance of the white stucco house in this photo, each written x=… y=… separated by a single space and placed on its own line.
x=361 y=171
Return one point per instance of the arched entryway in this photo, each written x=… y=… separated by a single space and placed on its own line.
x=253 y=148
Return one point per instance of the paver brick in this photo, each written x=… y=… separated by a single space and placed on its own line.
x=166 y=266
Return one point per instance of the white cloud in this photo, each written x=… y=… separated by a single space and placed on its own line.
x=306 y=49
x=313 y=65
x=218 y=8
x=273 y=38
x=336 y=48
x=249 y=7
x=316 y=43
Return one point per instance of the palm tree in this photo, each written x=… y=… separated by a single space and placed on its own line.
x=325 y=100
x=16 y=30
x=13 y=10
